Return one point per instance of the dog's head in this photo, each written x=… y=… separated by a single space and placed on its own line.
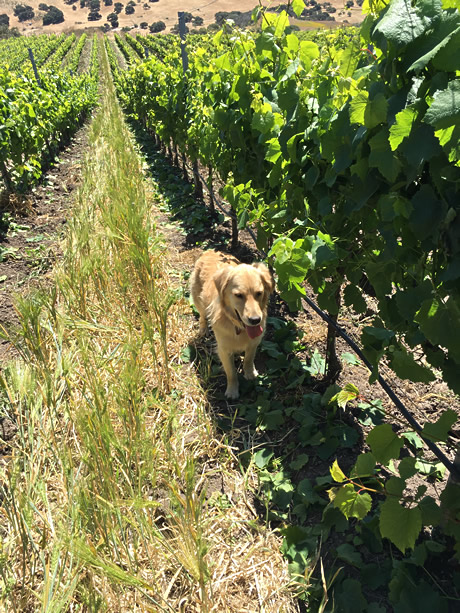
x=245 y=290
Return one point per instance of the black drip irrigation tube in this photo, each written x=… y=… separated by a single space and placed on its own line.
x=454 y=470
x=451 y=467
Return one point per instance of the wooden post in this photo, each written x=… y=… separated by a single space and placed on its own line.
x=34 y=66
x=333 y=364
x=183 y=50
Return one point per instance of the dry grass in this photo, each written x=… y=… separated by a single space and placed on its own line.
x=164 y=10
x=119 y=494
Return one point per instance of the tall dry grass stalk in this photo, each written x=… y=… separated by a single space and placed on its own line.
x=108 y=497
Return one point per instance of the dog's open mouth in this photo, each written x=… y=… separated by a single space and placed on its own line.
x=254 y=331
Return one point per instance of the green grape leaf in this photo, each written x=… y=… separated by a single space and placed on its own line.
x=402 y=127
x=402 y=23
x=348 y=393
x=439 y=430
x=350 y=502
x=376 y=111
x=399 y=524
x=350 y=595
x=349 y=554
x=445 y=108
x=427 y=212
x=263 y=457
x=358 y=107
x=382 y=157
x=364 y=466
x=309 y=51
x=377 y=338
x=298 y=7
x=336 y=473
x=300 y=461
x=273 y=150
x=406 y=367
x=281 y=23
x=431 y=512
x=394 y=486
x=407 y=467
x=295 y=268
x=263 y=120
x=353 y=296
x=444 y=56
x=384 y=443
x=369 y=113
x=437 y=320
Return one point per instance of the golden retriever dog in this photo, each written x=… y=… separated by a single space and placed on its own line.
x=233 y=297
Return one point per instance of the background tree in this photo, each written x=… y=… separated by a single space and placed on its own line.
x=24 y=12
x=157 y=26
x=94 y=16
x=53 y=15
x=111 y=18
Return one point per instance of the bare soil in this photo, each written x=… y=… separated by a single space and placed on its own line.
x=162 y=10
x=32 y=229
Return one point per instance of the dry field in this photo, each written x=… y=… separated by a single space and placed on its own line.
x=163 y=10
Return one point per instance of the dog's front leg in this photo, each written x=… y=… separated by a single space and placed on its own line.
x=232 y=378
x=249 y=369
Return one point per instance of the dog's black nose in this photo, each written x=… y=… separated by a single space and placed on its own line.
x=253 y=321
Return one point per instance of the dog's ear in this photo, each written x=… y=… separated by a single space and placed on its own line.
x=266 y=276
x=221 y=279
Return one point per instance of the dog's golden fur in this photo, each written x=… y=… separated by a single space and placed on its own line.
x=233 y=298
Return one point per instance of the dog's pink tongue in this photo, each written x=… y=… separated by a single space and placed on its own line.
x=254 y=331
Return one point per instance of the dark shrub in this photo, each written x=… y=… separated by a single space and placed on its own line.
x=157 y=26
x=54 y=15
x=24 y=12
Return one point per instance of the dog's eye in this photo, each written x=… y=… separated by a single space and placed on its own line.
x=259 y=294
x=238 y=295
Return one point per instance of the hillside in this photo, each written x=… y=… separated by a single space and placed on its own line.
x=148 y=11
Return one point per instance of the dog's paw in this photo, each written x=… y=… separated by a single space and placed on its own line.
x=232 y=392
x=251 y=373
